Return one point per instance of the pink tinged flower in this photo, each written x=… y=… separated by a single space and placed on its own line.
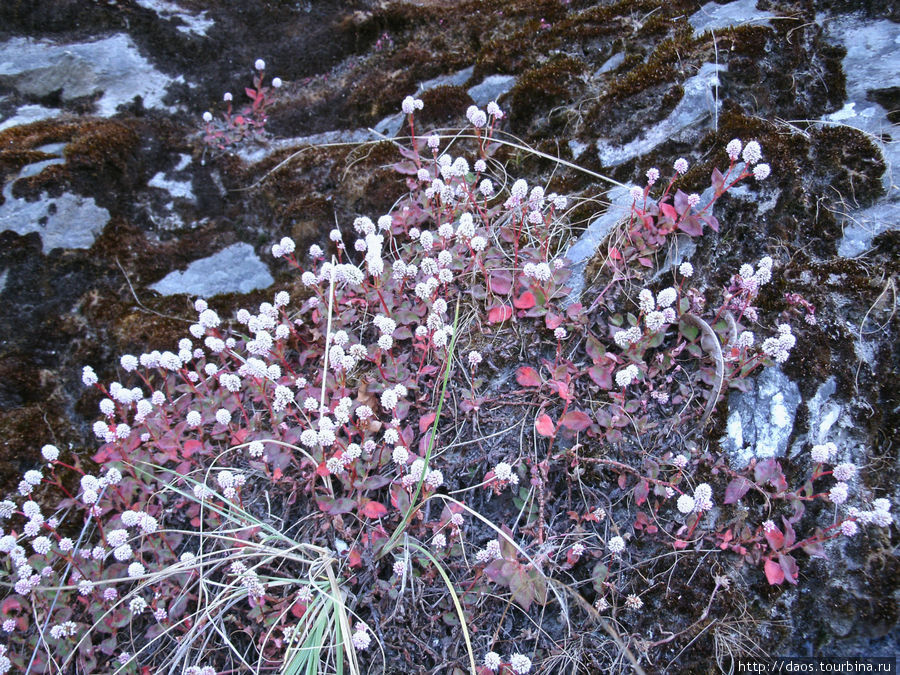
x=9 y=625
x=652 y=176
x=733 y=149
x=752 y=153
x=361 y=638
x=848 y=528
x=844 y=472
x=838 y=494
x=135 y=569
x=693 y=199
x=681 y=165
x=686 y=269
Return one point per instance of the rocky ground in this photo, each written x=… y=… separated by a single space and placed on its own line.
x=108 y=190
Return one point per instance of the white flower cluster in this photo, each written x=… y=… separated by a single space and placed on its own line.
x=779 y=347
x=627 y=375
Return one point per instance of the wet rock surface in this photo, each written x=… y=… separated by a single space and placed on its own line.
x=111 y=204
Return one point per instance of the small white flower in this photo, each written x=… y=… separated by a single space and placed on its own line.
x=259 y=64
x=207 y=117
x=520 y=664
x=276 y=82
x=616 y=545
x=686 y=503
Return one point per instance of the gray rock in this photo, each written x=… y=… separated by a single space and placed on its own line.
x=861 y=227
x=823 y=412
x=28 y=114
x=67 y=221
x=491 y=88
x=870 y=63
x=611 y=63
x=456 y=79
x=3 y=275
x=196 y=24
x=715 y=17
x=761 y=420
x=585 y=246
x=698 y=105
x=235 y=269
x=112 y=67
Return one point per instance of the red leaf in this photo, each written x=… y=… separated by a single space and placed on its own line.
x=575 y=420
x=545 y=426
x=614 y=253
x=528 y=377
x=525 y=301
x=250 y=92
x=646 y=262
x=500 y=314
x=425 y=421
x=775 y=538
x=553 y=321
x=373 y=509
x=191 y=446
x=679 y=544
x=736 y=489
x=668 y=211
x=774 y=573
x=563 y=389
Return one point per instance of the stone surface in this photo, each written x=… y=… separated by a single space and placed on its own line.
x=235 y=269
x=67 y=221
x=739 y=13
x=870 y=65
x=491 y=88
x=690 y=116
x=195 y=24
x=111 y=67
x=760 y=421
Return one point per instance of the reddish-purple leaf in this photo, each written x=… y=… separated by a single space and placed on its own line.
x=717 y=180
x=500 y=282
x=691 y=226
x=668 y=211
x=789 y=567
x=641 y=490
x=681 y=202
x=601 y=376
x=736 y=489
x=769 y=471
x=575 y=420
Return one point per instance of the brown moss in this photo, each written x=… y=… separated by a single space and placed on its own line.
x=540 y=88
x=889 y=99
x=99 y=144
x=444 y=104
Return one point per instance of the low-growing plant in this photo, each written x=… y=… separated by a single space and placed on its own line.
x=276 y=491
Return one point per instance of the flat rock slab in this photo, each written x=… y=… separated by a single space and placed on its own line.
x=716 y=17
x=698 y=105
x=235 y=269
x=112 y=68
